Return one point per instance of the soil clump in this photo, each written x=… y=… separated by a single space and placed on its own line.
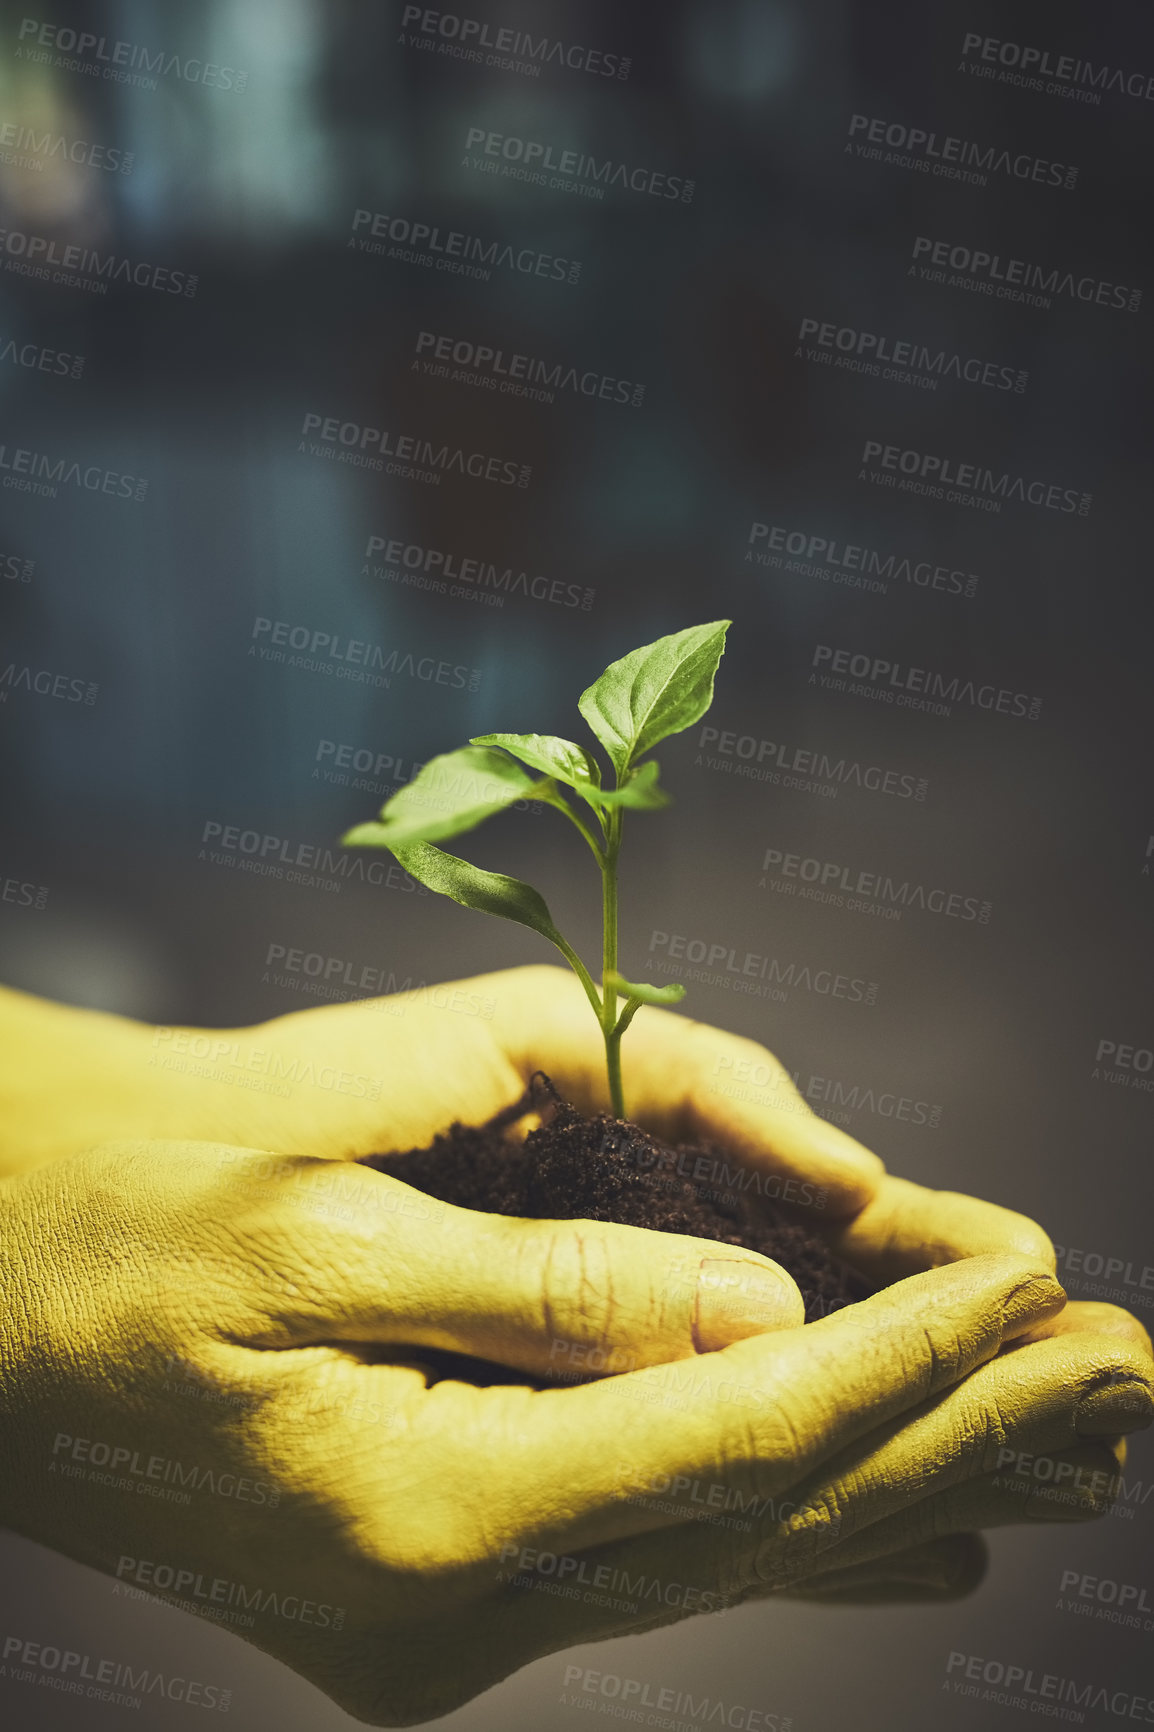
x=574 y=1167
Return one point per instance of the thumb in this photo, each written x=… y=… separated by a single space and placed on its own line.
x=571 y=1299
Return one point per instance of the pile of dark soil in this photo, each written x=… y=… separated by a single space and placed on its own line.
x=607 y=1169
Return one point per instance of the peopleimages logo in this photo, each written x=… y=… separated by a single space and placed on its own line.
x=664 y=1705
x=24 y=147
x=454 y=251
x=809 y=769
x=32 y=255
x=568 y=1575
x=15 y=568
x=1016 y=63
x=431 y=568
x=190 y=1586
x=338 y=977
x=721 y=960
x=838 y=1100
x=1106 y=1600
x=39 y=359
x=28 y=471
x=937 y=477
x=850 y=563
x=352 y=658
x=509 y=50
x=377 y=770
x=570 y=170
x=102 y=1680
x=119 y=61
x=511 y=374
x=46 y=684
x=1118 y=1279
x=949 y=157
x=882 y=357
x=1124 y=1065
x=894 y=683
x=369 y=447
x=24 y=895
x=128 y=1469
x=829 y=881
x=314 y=865
x=1016 y=1686
x=1010 y=279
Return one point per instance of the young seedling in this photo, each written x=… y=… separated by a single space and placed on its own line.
x=638 y=701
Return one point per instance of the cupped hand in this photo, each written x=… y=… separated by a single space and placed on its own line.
x=931 y=1549
x=271 y=1345
x=376 y=1075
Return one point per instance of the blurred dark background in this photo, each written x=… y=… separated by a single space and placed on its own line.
x=119 y=797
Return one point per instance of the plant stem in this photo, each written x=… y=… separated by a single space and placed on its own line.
x=613 y=1065
x=562 y=805
x=555 y=798
x=632 y=1006
x=581 y=972
x=609 y=1027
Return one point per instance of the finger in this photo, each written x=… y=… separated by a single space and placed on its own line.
x=918 y=1545
x=425 y=1078
x=1012 y=1412
x=1091 y=1316
x=547 y=1571
x=905 y=1227
x=572 y=1299
x=686 y=1081
x=714 y=1565
x=759 y=1415
x=555 y=1599
x=1082 y=1485
x=949 y=1568
x=1014 y=1415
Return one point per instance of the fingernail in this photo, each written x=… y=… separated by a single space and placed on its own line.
x=1063 y=1506
x=1039 y=1296
x=1077 y=1491
x=736 y=1299
x=1116 y=1407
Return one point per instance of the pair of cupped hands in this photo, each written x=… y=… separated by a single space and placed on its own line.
x=432 y=1444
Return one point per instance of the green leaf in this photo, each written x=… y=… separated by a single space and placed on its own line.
x=559 y=758
x=654 y=691
x=643 y=992
x=639 y=791
x=452 y=793
x=490 y=892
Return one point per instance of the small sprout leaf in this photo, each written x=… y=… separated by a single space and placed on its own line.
x=491 y=892
x=561 y=759
x=639 y=791
x=644 y=993
x=451 y=794
x=368 y=836
x=654 y=692
x=657 y=690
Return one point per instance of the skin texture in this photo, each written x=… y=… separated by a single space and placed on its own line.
x=238 y=1305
